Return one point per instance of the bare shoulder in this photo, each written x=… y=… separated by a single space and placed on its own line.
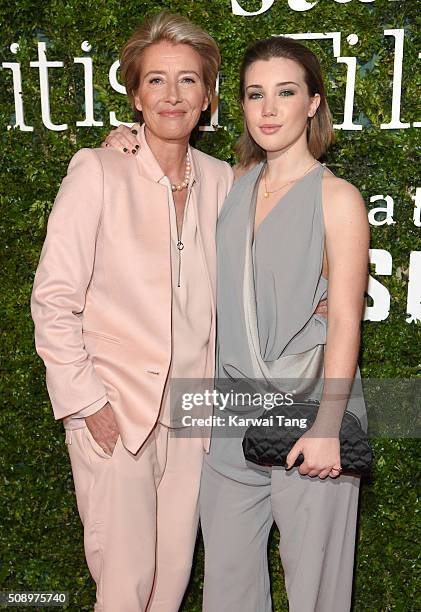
x=340 y=197
x=334 y=187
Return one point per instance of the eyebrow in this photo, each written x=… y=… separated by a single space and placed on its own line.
x=163 y=72
x=277 y=84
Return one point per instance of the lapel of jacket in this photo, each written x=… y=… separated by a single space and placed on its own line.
x=153 y=196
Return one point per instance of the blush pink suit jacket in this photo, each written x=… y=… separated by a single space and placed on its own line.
x=101 y=300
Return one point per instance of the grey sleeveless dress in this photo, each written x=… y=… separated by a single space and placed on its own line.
x=268 y=290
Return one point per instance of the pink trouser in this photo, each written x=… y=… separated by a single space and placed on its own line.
x=140 y=516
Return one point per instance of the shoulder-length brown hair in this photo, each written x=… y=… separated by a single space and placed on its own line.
x=320 y=128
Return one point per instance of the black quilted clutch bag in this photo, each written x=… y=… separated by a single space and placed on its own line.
x=269 y=442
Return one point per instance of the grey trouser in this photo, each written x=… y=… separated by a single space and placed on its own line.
x=316 y=520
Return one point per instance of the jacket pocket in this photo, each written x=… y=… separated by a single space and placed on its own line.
x=95 y=334
x=97 y=449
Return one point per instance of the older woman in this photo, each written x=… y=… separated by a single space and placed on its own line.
x=123 y=300
x=290 y=232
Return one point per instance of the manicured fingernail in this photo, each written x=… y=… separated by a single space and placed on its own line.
x=133 y=151
x=134 y=131
x=125 y=150
x=137 y=147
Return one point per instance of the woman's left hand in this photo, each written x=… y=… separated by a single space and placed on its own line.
x=123 y=139
x=322 y=456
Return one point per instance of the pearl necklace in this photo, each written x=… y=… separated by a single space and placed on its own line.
x=268 y=193
x=184 y=184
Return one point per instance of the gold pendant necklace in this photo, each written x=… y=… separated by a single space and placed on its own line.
x=267 y=193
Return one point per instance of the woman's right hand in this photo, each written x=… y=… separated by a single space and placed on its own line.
x=103 y=427
x=124 y=139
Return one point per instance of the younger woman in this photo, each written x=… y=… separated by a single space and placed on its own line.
x=289 y=233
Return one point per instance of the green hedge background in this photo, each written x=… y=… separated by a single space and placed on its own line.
x=41 y=546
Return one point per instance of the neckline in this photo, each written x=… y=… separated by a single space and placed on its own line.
x=147 y=164
x=276 y=205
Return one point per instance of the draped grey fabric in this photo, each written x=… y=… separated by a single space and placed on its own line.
x=269 y=288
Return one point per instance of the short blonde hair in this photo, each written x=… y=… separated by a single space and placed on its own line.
x=174 y=29
x=319 y=128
